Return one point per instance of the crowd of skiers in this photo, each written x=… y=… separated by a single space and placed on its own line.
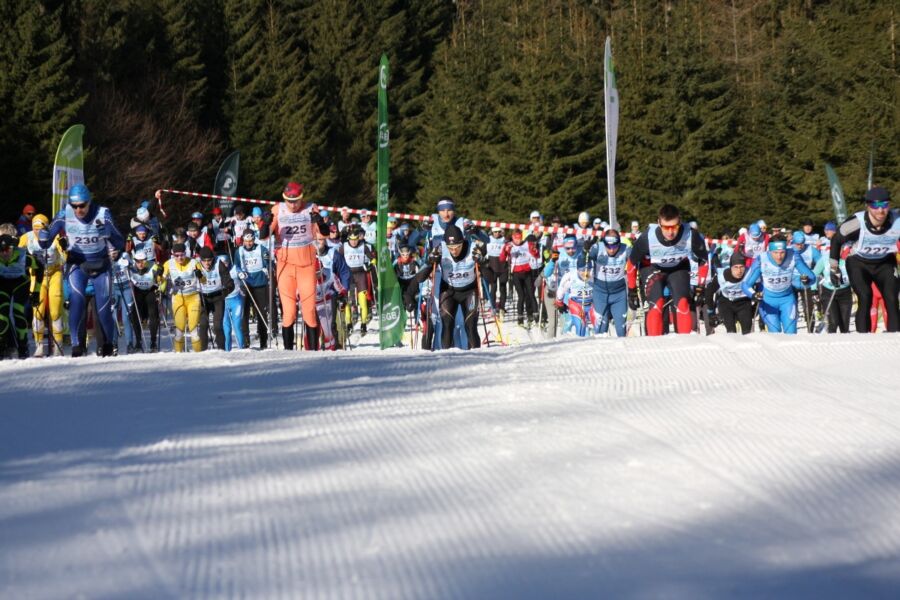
x=206 y=281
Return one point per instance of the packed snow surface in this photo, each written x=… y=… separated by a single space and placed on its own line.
x=673 y=467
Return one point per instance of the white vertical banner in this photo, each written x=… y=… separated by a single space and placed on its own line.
x=611 y=111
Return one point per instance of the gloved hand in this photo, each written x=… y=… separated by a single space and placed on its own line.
x=634 y=302
x=434 y=257
x=478 y=254
x=561 y=306
x=242 y=274
x=154 y=239
x=410 y=305
x=554 y=255
x=804 y=279
x=35 y=298
x=268 y=217
x=315 y=217
x=837 y=278
x=63 y=242
x=44 y=235
x=588 y=244
x=100 y=224
x=698 y=293
x=758 y=295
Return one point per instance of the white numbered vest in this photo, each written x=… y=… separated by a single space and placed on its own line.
x=873 y=246
x=753 y=248
x=610 y=268
x=495 y=246
x=252 y=260
x=669 y=256
x=147 y=247
x=85 y=237
x=355 y=257
x=212 y=279
x=732 y=291
x=777 y=278
x=406 y=271
x=327 y=260
x=188 y=276
x=519 y=255
x=295 y=229
x=51 y=257
x=371 y=232
x=120 y=271
x=458 y=274
x=241 y=225
x=143 y=280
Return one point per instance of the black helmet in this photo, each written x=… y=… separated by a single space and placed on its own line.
x=453 y=236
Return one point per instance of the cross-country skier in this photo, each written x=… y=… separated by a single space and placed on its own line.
x=215 y=285
x=519 y=252
x=752 y=243
x=610 y=289
x=733 y=305
x=661 y=258
x=837 y=300
x=90 y=232
x=182 y=282
x=15 y=264
x=48 y=285
x=252 y=262
x=872 y=234
x=775 y=269
x=807 y=289
x=145 y=280
x=574 y=298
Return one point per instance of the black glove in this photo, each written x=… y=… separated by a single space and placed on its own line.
x=588 y=244
x=268 y=217
x=316 y=218
x=837 y=278
x=478 y=254
x=63 y=242
x=698 y=293
x=410 y=305
x=758 y=295
x=804 y=279
x=35 y=298
x=434 y=257
x=634 y=302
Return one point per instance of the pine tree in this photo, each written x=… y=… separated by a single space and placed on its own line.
x=39 y=95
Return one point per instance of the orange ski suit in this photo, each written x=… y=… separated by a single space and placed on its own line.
x=295 y=254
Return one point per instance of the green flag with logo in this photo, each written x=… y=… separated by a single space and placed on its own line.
x=837 y=195
x=227 y=180
x=68 y=168
x=391 y=316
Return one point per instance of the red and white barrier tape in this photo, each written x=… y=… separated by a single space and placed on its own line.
x=550 y=229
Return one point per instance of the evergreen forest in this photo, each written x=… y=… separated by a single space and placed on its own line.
x=729 y=108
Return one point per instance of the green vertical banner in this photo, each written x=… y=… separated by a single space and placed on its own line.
x=392 y=318
x=837 y=195
x=227 y=180
x=68 y=168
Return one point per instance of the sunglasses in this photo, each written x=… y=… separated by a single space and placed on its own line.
x=454 y=246
x=670 y=227
x=880 y=204
x=79 y=206
x=29 y=215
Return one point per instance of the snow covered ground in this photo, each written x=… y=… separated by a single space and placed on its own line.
x=675 y=467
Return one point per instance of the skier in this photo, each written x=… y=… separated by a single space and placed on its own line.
x=806 y=289
x=752 y=243
x=252 y=262
x=90 y=232
x=775 y=269
x=456 y=257
x=123 y=302
x=181 y=281
x=145 y=278
x=872 y=234
x=215 y=285
x=48 y=285
x=25 y=222
x=360 y=257
x=727 y=286
x=15 y=264
x=496 y=271
x=293 y=228
x=837 y=299
x=519 y=252
x=574 y=297
x=610 y=290
x=661 y=257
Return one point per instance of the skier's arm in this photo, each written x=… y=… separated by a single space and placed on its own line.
x=57 y=227
x=751 y=279
x=847 y=233
x=639 y=252
x=227 y=281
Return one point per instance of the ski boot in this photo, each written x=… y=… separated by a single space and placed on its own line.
x=39 y=351
x=287 y=336
x=109 y=350
x=362 y=329
x=153 y=348
x=77 y=351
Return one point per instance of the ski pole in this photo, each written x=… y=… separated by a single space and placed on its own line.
x=828 y=308
x=487 y=338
